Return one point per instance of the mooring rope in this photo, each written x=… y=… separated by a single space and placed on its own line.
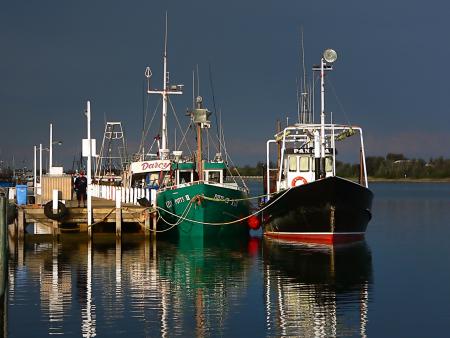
x=182 y=218
x=226 y=200
x=103 y=219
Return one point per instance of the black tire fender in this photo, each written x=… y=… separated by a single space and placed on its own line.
x=48 y=211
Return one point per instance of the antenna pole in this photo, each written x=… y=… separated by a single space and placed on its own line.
x=215 y=110
x=193 y=89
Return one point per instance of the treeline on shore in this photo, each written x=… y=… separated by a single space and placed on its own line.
x=393 y=166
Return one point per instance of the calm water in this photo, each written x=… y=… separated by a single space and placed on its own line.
x=396 y=284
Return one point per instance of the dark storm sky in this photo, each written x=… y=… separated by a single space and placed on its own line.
x=391 y=75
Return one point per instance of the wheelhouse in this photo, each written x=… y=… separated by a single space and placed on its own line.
x=302 y=158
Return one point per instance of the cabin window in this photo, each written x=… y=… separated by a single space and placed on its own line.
x=292 y=163
x=214 y=176
x=304 y=163
x=328 y=164
x=185 y=177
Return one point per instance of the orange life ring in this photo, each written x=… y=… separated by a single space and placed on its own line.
x=298 y=178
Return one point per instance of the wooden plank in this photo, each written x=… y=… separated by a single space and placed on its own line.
x=78 y=215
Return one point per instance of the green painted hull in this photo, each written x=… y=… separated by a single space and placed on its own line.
x=203 y=218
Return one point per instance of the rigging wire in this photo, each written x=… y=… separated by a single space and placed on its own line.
x=228 y=158
x=341 y=106
x=145 y=105
x=178 y=122
x=150 y=123
x=184 y=137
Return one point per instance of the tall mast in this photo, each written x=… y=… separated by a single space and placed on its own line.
x=167 y=90
x=328 y=57
x=322 y=109
x=164 y=144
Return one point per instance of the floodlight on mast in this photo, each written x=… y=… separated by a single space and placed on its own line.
x=329 y=55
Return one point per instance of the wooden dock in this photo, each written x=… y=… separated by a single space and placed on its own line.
x=103 y=211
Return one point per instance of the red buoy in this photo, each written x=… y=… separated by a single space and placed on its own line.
x=253 y=222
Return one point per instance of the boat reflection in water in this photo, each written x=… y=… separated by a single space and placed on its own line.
x=204 y=283
x=316 y=291
x=136 y=287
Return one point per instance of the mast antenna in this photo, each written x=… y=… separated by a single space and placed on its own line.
x=193 y=89
x=165 y=40
x=303 y=61
x=214 y=106
x=305 y=109
x=198 y=81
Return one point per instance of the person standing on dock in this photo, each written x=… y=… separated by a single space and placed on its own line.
x=80 y=187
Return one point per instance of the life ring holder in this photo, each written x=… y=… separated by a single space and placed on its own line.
x=48 y=211
x=298 y=178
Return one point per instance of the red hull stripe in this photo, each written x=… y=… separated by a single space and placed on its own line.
x=318 y=237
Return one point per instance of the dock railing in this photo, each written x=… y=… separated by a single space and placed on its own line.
x=127 y=195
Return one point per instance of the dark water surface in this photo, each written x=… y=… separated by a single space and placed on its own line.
x=395 y=284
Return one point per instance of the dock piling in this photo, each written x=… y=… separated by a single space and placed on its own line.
x=147 y=223
x=20 y=223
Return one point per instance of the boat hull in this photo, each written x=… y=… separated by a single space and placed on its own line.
x=329 y=210
x=200 y=217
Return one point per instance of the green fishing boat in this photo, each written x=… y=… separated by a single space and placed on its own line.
x=191 y=194
x=204 y=209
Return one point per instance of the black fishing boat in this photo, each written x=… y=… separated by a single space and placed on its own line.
x=306 y=200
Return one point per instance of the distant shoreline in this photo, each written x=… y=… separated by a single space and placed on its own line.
x=410 y=180
x=378 y=180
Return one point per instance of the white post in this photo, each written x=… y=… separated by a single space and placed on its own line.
x=50 y=155
x=153 y=197
x=55 y=201
x=118 y=198
x=35 y=174
x=89 y=159
x=40 y=168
